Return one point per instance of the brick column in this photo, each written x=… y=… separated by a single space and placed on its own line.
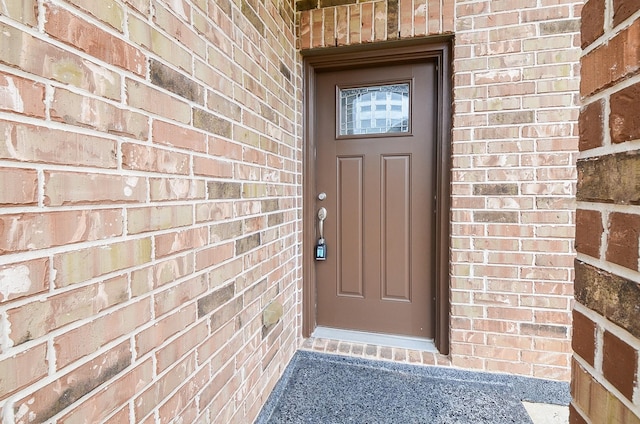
x=606 y=337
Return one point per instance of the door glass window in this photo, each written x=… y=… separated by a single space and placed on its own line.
x=374 y=110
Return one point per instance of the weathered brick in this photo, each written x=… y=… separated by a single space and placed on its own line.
x=592 y=21
x=224 y=273
x=100 y=331
x=21 y=95
x=495 y=189
x=18 y=186
x=147 y=158
x=169 y=134
x=225 y=231
x=591 y=124
x=27 y=143
x=544 y=330
x=171 y=243
x=221 y=190
x=165 y=272
x=213 y=255
x=584 y=337
x=223 y=106
x=60 y=65
x=589 y=230
x=226 y=314
x=624 y=237
x=76 y=32
x=23 y=279
x=613 y=178
x=252 y=16
x=23 y=11
x=613 y=297
x=619 y=364
x=622 y=9
x=214 y=300
x=65 y=188
x=177 y=28
x=595 y=401
x=140 y=32
x=80 y=265
x=611 y=62
x=163 y=387
x=108 y=11
x=211 y=123
x=141 y=6
x=147 y=98
x=104 y=402
x=176 y=82
x=22 y=369
x=211 y=167
x=623 y=122
x=177 y=348
x=178 y=296
x=74 y=109
x=164 y=328
x=252 y=190
x=495 y=216
x=213 y=211
x=69 y=388
x=141 y=220
x=161 y=189
x=24 y=232
x=247 y=243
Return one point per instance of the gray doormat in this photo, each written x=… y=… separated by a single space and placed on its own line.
x=327 y=389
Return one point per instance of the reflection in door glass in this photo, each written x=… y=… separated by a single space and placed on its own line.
x=374 y=110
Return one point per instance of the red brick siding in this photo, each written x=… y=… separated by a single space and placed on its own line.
x=605 y=385
x=149 y=208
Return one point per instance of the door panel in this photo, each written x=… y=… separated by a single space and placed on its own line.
x=349 y=217
x=379 y=229
x=396 y=222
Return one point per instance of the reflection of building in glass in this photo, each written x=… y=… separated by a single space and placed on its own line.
x=374 y=110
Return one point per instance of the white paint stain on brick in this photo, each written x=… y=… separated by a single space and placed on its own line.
x=8 y=415
x=178 y=7
x=180 y=188
x=102 y=78
x=8 y=141
x=130 y=184
x=10 y=97
x=5 y=330
x=102 y=298
x=14 y=280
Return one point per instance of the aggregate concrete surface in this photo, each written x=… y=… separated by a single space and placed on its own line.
x=332 y=389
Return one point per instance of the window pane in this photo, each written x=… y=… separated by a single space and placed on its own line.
x=374 y=110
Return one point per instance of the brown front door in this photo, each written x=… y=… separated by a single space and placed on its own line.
x=375 y=132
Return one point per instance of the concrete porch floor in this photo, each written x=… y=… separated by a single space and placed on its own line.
x=331 y=381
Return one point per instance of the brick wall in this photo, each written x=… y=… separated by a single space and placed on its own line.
x=515 y=141
x=149 y=203
x=606 y=338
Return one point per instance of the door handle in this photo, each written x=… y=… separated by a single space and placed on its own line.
x=322 y=215
x=321 y=248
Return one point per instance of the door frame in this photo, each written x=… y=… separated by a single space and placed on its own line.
x=350 y=57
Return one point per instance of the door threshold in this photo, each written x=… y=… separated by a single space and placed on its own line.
x=389 y=340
